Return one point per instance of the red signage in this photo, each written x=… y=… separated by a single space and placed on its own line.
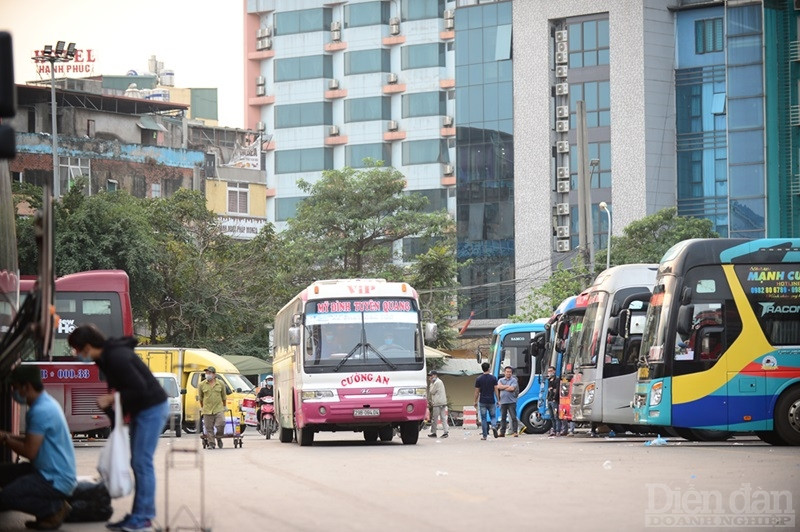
x=82 y=63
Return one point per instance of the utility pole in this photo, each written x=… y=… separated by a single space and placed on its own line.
x=585 y=231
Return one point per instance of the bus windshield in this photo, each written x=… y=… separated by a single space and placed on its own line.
x=571 y=354
x=593 y=334
x=656 y=325
x=381 y=340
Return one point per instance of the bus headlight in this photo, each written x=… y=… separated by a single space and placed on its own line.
x=316 y=395
x=410 y=392
x=655 y=393
x=588 y=394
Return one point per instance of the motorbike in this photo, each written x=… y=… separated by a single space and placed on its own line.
x=267 y=424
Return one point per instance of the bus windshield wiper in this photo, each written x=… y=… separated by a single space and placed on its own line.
x=364 y=346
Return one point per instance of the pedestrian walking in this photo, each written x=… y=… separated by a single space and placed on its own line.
x=486 y=393
x=509 y=391
x=143 y=400
x=437 y=399
x=212 y=396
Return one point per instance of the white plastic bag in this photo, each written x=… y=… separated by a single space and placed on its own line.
x=115 y=458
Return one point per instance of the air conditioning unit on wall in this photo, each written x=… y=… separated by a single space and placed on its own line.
x=562 y=246
x=561 y=36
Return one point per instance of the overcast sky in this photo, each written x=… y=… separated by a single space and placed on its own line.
x=200 y=40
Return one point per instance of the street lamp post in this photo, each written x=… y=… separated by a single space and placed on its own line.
x=59 y=55
x=604 y=207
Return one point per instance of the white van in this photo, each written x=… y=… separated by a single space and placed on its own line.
x=169 y=381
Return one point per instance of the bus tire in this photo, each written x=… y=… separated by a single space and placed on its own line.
x=770 y=436
x=533 y=421
x=285 y=435
x=787 y=416
x=386 y=433
x=370 y=435
x=409 y=432
x=711 y=435
x=305 y=436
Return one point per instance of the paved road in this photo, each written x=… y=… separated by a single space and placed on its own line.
x=464 y=484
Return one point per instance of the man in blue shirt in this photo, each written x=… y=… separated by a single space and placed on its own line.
x=41 y=487
x=509 y=390
x=485 y=393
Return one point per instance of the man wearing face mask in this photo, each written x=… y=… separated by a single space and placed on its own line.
x=212 y=396
x=39 y=487
x=143 y=400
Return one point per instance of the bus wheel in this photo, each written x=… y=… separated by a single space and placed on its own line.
x=534 y=422
x=770 y=437
x=686 y=434
x=787 y=416
x=386 y=433
x=370 y=435
x=285 y=435
x=409 y=432
x=305 y=436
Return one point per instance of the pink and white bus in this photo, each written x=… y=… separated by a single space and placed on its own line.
x=349 y=356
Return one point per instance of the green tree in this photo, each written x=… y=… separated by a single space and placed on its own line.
x=647 y=240
x=348 y=224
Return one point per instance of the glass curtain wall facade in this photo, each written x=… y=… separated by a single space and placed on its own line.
x=485 y=160
x=720 y=124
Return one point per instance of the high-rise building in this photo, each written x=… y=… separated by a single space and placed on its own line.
x=333 y=84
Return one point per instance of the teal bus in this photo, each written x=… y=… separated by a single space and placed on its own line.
x=720 y=352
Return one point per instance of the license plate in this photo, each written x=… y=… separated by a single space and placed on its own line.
x=366 y=412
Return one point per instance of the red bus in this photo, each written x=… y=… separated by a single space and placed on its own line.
x=101 y=297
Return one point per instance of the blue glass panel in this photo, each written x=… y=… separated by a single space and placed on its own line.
x=575 y=37
x=747 y=180
x=575 y=59
x=602 y=56
x=489 y=72
x=505 y=96
x=489 y=15
x=604 y=119
x=476 y=74
x=745 y=113
x=505 y=70
x=590 y=88
x=503 y=43
x=476 y=103
x=589 y=35
x=366 y=14
x=747 y=218
x=744 y=50
x=602 y=33
x=743 y=20
x=744 y=81
x=504 y=13
x=590 y=58
x=462 y=106
x=490 y=102
x=475 y=38
x=604 y=95
x=746 y=146
x=462 y=76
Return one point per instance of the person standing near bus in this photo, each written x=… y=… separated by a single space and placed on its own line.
x=212 y=397
x=41 y=486
x=509 y=390
x=143 y=400
x=485 y=394
x=437 y=397
x=553 y=386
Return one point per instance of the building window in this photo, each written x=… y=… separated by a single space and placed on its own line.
x=155 y=190
x=424 y=104
x=71 y=168
x=366 y=14
x=425 y=151
x=237 y=198
x=708 y=35
x=303 y=21
x=421 y=9
x=354 y=155
x=597 y=96
x=303 y=114
x=365 y=109
x=307 y=67
x=286 y=208
x=308 y=160
x=366 y=61
x=600 y=175
x=422 y=56
x=112 y=185
x=588 y=43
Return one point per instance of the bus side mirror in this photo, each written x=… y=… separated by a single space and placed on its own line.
x=613 y=326
x=297 y=319
x=431 y=331
x=294 y=335
x=624 y=322
x=685 y=316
